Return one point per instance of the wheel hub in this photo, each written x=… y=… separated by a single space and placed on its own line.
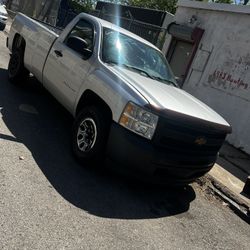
x=86 y=135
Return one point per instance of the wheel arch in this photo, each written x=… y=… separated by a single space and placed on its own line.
x=91 y=98
x=18 y=42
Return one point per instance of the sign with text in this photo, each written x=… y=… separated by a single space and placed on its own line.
x=230 y=70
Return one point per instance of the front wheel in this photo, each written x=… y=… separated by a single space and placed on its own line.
x=89 y=135
x=16 y=70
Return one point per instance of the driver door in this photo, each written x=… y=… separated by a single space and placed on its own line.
x=65 y=68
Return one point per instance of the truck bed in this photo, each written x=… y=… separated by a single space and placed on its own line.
x=54 y=29
x=39 y=38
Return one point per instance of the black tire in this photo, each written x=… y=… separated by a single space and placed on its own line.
x=2 y=26
x=17 y=73
x=91 y=118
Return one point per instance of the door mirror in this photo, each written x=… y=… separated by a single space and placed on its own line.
x=179 y=81
x=80 y=46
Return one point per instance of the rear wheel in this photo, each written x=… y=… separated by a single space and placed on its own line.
x=89 y=135
x=16 y=70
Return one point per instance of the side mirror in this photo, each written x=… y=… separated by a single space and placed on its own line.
x=80 y=46
x=179 y=81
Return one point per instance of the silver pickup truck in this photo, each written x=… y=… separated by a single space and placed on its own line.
x=123 y=95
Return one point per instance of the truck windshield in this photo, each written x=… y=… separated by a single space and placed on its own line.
x=136 y=56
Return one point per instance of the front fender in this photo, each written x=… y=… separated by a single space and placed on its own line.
x=111 y=89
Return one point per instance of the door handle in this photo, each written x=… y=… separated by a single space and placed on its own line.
x=58 y=53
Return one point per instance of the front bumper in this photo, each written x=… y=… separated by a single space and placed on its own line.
x=133 y=152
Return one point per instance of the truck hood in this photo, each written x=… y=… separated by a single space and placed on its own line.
x=164 y=96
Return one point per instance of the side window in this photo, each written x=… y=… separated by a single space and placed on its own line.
x=81 y=37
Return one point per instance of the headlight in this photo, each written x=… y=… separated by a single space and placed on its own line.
x=139 y=120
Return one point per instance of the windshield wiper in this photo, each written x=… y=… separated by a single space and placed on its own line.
x=138 y=69
x=164 y=80
x=141 y=71
x=111 y=62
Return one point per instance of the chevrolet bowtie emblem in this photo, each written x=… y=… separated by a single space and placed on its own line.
x=200 y=141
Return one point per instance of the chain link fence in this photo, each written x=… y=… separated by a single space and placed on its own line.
x=49 y=12
x=65 y=17
x=152 y=33
x=43 y=10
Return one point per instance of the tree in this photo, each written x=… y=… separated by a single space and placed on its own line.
x=169 y=5
x=165 y=5
x=217 y=1
x=222 y=1
x=81 y=5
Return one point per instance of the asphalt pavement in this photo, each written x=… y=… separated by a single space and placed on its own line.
x=49 y=201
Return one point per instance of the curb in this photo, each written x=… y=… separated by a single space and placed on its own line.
x=236 y=203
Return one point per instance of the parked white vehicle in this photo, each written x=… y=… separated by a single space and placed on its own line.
x=3 y=16
x=123 y=95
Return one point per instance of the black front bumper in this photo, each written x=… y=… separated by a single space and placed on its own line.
x=133 y=152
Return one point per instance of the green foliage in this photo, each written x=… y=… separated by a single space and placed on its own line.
x=81 y=5
x=222 y=1
x=166 y=5
x=169 y=5
x=216 y=1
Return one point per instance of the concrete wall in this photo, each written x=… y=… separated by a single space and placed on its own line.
x=220 y=72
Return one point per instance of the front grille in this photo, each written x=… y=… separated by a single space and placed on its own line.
x=179 y=137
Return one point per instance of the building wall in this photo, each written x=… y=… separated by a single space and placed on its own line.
x=220 y=72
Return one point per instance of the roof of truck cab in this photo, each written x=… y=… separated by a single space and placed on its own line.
x=110 y=25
